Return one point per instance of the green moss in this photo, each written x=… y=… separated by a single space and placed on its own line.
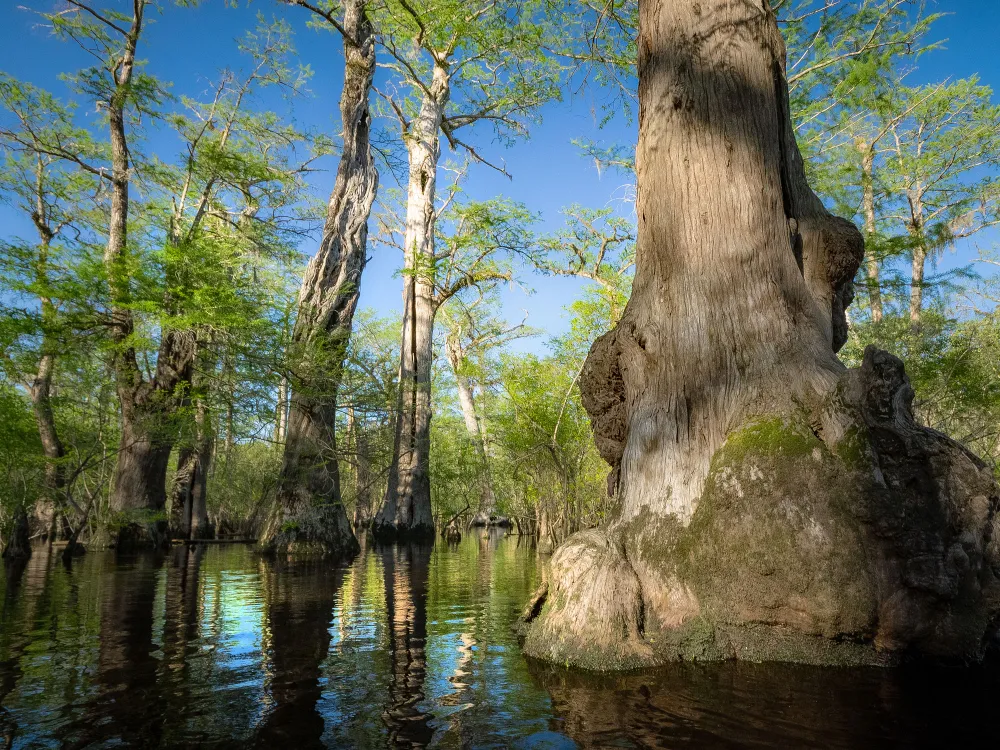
x=854 y=449
x=768 y=437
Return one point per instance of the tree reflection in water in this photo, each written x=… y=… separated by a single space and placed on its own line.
x=299 y=598
x=405 y=568
x=125 y=708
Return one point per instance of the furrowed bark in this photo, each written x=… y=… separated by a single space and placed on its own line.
x=774 y=505
x=310 y=515
x=406 y=508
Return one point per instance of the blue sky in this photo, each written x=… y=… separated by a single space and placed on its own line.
x=188 y=46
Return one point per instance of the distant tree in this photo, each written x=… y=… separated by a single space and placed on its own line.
x=456 y=66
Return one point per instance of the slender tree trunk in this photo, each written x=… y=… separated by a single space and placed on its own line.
x=919 y=255
x=466 y=400
x=310 y=512
x=49 y=506
x=868 y=209
x=363 y=475
x=774 y=505
x=281 y=411
x=406 y=509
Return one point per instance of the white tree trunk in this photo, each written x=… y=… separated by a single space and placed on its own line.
x=406 y=509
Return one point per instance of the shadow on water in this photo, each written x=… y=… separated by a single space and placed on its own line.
x=406 y=646
x=737 y=705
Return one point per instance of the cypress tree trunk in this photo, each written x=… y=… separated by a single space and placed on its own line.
x=774 y=505
x=138 y=493
x=49 y=506
x=189 y=510
x=406 y=509
x=868 y=209
x=487 y=501
x=310 y=515
x=363 y=477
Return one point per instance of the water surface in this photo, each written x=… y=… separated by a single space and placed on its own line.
x=407 y=646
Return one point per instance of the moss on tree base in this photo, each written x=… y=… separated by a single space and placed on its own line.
x=311 y=531
x=842 y=533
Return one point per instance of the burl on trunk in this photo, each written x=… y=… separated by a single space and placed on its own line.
x=773 y=504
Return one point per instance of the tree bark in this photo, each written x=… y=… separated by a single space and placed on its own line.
x=189 y=507
x=868 y=209
x=406 y=508
x=138 y=493
x=49 y=506
x=466 y=400
x=363 y=476
x=774 y=505
x=919 y=256
x=310 y=513
x=281 y=411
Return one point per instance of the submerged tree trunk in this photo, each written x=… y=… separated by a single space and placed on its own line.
x=774 y=505
x=310 y=514
x=466 y=399
x=406 y=509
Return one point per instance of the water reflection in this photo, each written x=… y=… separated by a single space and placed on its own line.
x=405 y=568
x=125 y=703
x=299 y=598
x=772 y=705
x=406 y=646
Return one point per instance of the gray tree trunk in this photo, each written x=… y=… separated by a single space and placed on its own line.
x=919 y=256
x=406 y=509
x=868 y=209
x=774 y=505
x=363 y=476
x=281 y=411
x=310 y=513
x=467 y=402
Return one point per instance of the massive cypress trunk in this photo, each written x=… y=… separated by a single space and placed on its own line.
x=310 y=515
x=774 y=505
x=406 y=509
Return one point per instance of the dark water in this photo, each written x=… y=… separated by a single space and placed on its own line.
x=406 y=646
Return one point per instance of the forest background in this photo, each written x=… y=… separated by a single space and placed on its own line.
x=530 y=197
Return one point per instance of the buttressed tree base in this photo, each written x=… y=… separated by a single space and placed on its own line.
x=774 y=505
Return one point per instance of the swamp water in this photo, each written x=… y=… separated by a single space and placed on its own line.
x=406 y=646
